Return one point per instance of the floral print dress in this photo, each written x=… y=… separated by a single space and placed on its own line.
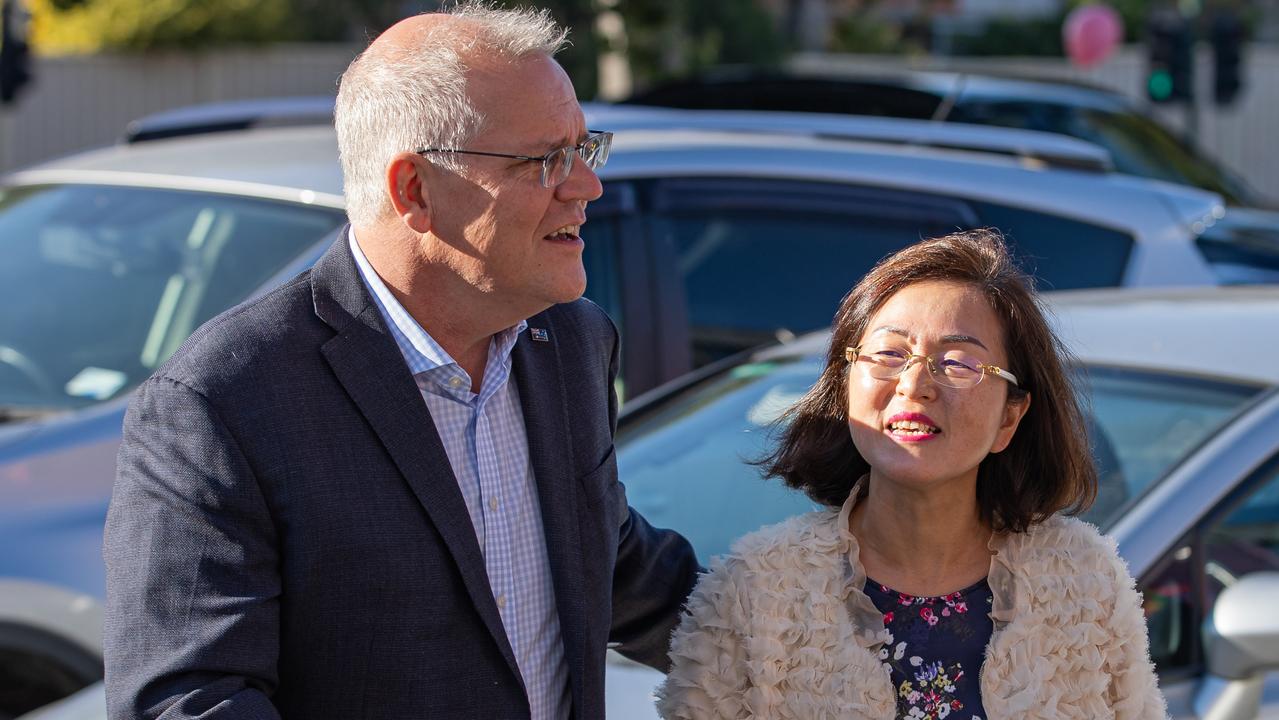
x=935 y=650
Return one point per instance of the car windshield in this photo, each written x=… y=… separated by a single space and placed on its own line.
x=1137 y=145
x=101 y=284
x=686 y=461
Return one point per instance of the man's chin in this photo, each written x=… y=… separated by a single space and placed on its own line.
x=569 y=295
x=569 y=289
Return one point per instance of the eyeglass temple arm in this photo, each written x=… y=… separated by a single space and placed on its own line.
x=476 y=152
x=995 y=370
x=593 y=134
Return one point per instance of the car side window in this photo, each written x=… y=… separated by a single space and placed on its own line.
x=600 y=258
x=1242 y=537
x=1062 y=253
x=761 y=260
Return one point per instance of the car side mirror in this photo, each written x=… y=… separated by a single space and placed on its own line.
x=1241 y=644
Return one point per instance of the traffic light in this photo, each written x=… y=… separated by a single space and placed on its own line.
x=1171 y=77
x=14 y=70
x=1227 y=46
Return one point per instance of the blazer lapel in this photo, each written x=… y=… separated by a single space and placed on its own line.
x=536 y=367
x=368 y=364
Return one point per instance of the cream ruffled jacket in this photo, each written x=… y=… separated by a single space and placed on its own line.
x=780 y=628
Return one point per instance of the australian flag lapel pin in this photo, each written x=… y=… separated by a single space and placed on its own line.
x=539 y=334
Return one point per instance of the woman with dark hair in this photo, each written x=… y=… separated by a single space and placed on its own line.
x=947 y=577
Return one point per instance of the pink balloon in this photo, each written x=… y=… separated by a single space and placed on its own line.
x=1091 y=33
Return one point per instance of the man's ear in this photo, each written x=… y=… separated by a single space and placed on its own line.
x=406 y=183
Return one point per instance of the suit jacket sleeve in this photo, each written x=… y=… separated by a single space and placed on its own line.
x=192 y=618
x=655 y=572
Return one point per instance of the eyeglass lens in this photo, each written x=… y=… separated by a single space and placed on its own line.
x=557 y=166
x=953 y=368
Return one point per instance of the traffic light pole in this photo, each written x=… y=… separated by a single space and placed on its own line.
x=1172 y=64
x=1190 y=119
x=14 y=50
x=6 y=137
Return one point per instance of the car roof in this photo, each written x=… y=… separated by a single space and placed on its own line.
x=986 y=87
x=1049 y=148
x=1099 y=198
x=292 y=163
x=836 y=72
x=1212 y=331
x=301 y=164
x=1227 y=333
x=318 y=110
x=230 y=115
x=974 y=85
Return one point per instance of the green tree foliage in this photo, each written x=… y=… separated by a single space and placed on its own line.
x=667 y=39
x=867 y=32
x=581 y=58
x=351 y=20
x=1001 y=36
x=664 y=38
x=83 y=26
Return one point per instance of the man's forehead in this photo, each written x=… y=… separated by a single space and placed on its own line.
x=533 y=100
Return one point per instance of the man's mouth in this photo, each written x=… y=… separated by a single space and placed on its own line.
x=912 y=426
x=568 y=233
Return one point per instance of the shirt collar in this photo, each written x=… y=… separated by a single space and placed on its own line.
x=420 y=350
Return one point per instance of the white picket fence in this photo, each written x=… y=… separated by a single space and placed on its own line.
x=82 y=102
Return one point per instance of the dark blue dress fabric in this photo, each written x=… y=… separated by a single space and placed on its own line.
x=936 y=649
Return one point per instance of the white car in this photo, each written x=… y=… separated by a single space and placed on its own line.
x=1184 y=395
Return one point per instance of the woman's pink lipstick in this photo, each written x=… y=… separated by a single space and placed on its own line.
x=912 y=427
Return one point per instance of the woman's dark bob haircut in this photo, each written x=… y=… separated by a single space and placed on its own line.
x=1046 y=469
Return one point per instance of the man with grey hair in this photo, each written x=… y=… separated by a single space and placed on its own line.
x=388 y=488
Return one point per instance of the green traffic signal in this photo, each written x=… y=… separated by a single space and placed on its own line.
x=1160 y=85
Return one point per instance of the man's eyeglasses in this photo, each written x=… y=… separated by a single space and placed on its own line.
x=953 y=368
x=557 y=165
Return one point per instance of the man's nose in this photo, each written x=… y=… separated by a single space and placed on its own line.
x=581 y=184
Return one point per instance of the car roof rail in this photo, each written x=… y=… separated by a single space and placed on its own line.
x=1046 y=149
x=1040 y=148
x=231 y=115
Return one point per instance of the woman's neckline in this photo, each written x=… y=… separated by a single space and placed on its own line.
x=938 y=598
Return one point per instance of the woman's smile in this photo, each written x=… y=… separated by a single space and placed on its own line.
x=912 y=427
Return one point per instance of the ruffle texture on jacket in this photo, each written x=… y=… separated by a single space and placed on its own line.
x=780 y=628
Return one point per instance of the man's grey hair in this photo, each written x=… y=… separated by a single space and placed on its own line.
x=403 y=98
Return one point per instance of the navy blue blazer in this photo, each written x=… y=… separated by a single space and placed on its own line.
x=286 y=537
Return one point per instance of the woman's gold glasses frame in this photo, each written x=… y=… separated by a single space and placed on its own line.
x=888 y=372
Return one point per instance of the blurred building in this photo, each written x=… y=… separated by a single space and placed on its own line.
x=1268 y=26
x=809 y=23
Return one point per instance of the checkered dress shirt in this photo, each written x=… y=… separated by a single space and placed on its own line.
x=483 y=435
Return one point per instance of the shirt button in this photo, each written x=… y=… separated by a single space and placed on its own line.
x=501 y=601
x=493 y=503
x=455 y=381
